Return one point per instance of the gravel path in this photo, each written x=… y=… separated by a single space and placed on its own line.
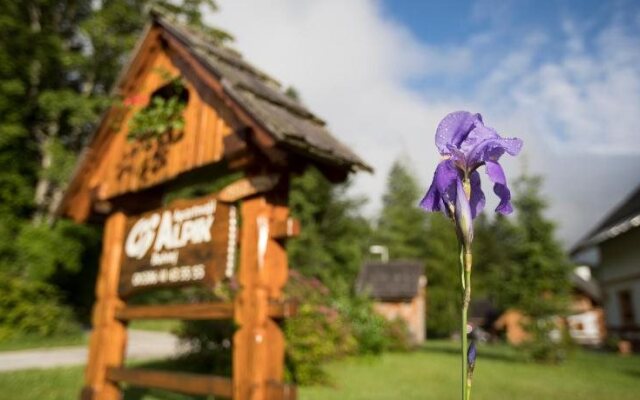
x=141 y=345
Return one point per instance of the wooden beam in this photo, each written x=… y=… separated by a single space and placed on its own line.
x=248 y=187
x=284 y=228
x=281 y=391
x=201 y=311
x=173 y=381
x=282 y=309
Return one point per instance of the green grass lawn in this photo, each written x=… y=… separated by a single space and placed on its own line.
x=429 y=374
x=433 y=374
x=24 y=343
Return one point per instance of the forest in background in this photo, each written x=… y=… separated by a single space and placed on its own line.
x=58 y=61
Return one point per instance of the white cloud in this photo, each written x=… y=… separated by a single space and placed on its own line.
x=352 y=66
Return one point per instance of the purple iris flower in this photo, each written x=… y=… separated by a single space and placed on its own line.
x=465 y=144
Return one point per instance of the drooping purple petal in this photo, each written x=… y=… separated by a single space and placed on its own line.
x=431 y=200
x=442 y=191
x=496 y=175
x=454 y=128
x=477 y=200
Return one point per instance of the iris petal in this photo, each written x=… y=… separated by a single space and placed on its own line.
x=454 y=128
x=496 y=174
x=431 y=200
x=442 y=191
x=490 y=147
x=477 y=200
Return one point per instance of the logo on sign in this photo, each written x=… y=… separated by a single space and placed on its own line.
x=174 y=230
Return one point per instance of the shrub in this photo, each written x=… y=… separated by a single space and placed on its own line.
x=325 y=328
x=368 y=328
x=31 y=308
x=317 y=333
x=549 y=341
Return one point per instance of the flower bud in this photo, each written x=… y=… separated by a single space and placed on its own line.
x=471 y=355
x=463 y=217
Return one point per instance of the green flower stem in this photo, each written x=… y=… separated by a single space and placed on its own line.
x=465 y=269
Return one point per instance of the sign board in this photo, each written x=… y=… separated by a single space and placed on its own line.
x=186 y=243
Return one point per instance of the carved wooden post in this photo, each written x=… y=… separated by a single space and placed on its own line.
x=258 y=359
x=108 y=338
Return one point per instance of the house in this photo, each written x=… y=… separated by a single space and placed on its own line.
x=585 y=320
x=398 y=291
x=612 y=248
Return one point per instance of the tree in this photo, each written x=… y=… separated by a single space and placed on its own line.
x=402 y=225
x=409 y=232
x=58 y=60
x=530 y=271
x=533 y=272
x=443 y=275
x=334 y=235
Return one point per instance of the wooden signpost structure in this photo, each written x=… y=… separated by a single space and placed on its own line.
x=239 y=128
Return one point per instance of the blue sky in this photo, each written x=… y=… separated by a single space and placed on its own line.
x=456 y=23
x=564 y=76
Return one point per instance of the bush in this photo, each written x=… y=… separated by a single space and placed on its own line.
x=317 y=333
x=368 y=328
x=30 y=308
x=330 y=327
x=549 y=341
x=325 y=328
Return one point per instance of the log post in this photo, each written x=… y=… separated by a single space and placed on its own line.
x=108 y=337
x=259 y=349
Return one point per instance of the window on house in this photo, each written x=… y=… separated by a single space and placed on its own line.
x=625 y=301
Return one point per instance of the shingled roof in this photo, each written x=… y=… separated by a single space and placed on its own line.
x=622 y=218
x=290 y=122
x=395 y=280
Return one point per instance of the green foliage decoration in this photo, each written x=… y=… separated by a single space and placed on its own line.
x=163 y=114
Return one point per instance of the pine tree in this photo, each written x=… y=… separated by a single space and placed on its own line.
x=531 y=271
x=409 y=232
x=402 y=225
x=334 y=234
x=443 y=276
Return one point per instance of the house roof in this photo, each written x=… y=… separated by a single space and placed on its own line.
x=589 y=287
x=395 y=280
x=622 y=218
x=289 y=121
